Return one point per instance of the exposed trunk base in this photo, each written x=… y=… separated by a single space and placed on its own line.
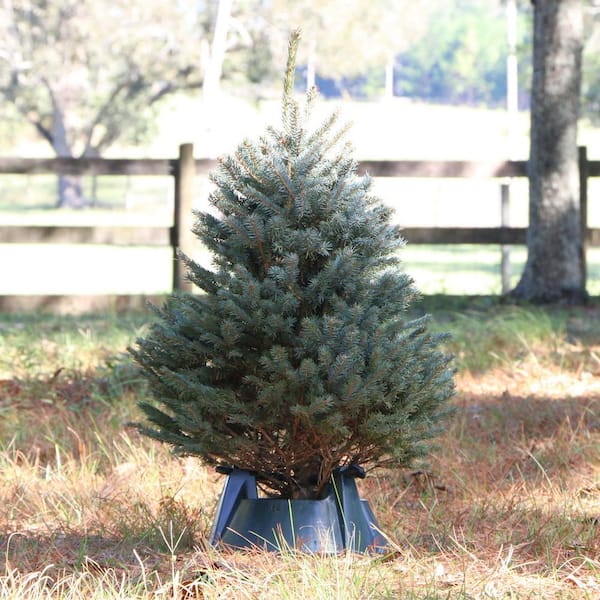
x=70 y=192
x=560 y=295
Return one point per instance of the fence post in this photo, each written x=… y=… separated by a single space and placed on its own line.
x=583 y=207
x=181 y=235
x=504 y=249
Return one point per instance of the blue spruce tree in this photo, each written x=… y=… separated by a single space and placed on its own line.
x=298 y=356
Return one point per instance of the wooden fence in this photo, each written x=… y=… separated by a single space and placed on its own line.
x=185 y=167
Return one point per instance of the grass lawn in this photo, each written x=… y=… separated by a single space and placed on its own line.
x=508 y=506
x=86 y=269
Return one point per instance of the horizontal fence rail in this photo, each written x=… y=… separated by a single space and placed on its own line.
x=465 y=235
x=98 y=166
x=93 y=234
x=444 y=168
x=185 y=167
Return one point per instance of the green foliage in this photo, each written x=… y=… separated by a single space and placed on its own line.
x=467 y=63
x=347 y=39
x=298 y=356
x=84 y=74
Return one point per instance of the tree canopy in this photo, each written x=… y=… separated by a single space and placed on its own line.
x=86 y=73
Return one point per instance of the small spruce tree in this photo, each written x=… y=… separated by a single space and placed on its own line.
x=297 y=357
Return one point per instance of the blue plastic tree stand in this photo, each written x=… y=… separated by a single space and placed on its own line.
x=339 y=521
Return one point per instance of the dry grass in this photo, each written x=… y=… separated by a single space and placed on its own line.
x=508 y=506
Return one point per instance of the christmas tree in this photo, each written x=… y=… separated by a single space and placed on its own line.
x=298 y=357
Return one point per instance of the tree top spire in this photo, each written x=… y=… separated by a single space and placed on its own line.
x=290 y=72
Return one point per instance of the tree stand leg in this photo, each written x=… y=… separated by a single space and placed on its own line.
x=339 y=521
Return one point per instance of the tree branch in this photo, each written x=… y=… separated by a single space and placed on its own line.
x=101 y=113
x=26 y=111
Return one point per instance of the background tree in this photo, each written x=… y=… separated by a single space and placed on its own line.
x=467 y=63
x=554 y=270
x=233 y=47
x=87 y=73
x=347 y=39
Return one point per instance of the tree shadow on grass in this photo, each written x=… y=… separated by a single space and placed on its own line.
x=509 y=418
x=61 y=553
x=511 y=471
x=32 y=551
x=505 y=442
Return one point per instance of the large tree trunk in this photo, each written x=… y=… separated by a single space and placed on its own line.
x=70 y=187
x=555 y=264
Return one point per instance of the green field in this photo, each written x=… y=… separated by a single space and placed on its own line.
x=393 y=130
x=85 y=269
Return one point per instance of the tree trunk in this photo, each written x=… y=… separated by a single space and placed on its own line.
x=70 y=192
x=70 y=187
x=389 y=78
x=554 y=270
x=214 y=57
